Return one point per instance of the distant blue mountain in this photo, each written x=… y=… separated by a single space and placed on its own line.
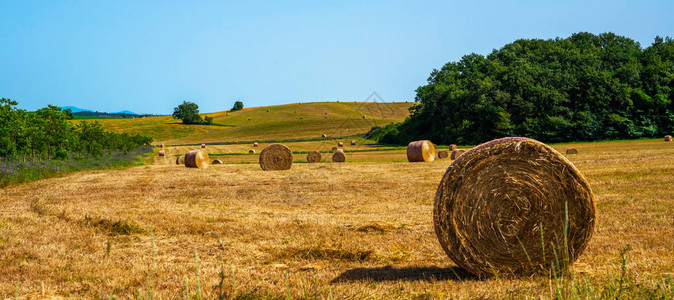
x=75 y=109
x=125 y=112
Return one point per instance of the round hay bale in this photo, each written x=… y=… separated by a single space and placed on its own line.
x=572 y=151
x=162 y=153
x=453 y=147
x=295 y=111
x=276 y=157
x=353 y=143
x=301 y=118
x=418 y=151
x=339 y=157
x=268 y=110
x=227 y=114
x=456 y=153
x=324 y=135
x=203 y=145
x=668 y=138
x=248 y=119
x=504 y=207
x=364 y=117
x=162 y=146
x=255 y=144
x=314 y=156
x=340 y=144
x=236 y=143
x=196 y=159
x=443 y=154
x=251 y=151
x=180 y=160
x=216 y=162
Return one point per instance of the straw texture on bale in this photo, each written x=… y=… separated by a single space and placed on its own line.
x=453 y=147
x=203 y=145
x=161 y=153
x=276 y=157
x=510 y=206
x=668 y=138
x=197 y=159
x=340 y=144
x=353 y=143
x=572 y=151
x=339 y=157
x=418 y=151
x=255 y=144
x=180 y=160
x=456 y=153
x=443 y=154
x=216 y=162
x=314 y=156
x=251 y=151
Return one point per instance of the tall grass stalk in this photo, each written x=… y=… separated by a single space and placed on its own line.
x=196 y=270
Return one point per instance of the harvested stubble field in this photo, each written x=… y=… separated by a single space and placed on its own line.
x=356 y=230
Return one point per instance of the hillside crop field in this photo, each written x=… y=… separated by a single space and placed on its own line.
x=290 y=121
x=362 y=229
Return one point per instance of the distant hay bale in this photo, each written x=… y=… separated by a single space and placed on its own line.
x=334 y=149
x=456 y=153
x=353 y=143
x=227 y=114
x=197 y=159
x=443 y=154
x=419 y=151
x=324 y=135
x=268 y=110
x=295 y=111
x=248 y=119
x=453 y=147
x=314 y=156
x=255 y=144
x=513 y=206
x=203 y=145
x=572 y=151
x=364 y=117
x=301 y=118
x=180 y=160
x=668 y=138
x=251 y=151
x=162 y=153
x=339 y=156
x=216 y=162
x=162 y=146
x=276 y=157
x=340 y=144
x=236 y=143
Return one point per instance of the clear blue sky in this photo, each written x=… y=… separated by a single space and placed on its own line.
x=149 y=56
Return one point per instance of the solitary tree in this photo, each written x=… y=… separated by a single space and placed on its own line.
x=238 y=105
x=188 y=112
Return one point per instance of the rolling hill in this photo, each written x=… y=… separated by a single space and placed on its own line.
x=289 y=121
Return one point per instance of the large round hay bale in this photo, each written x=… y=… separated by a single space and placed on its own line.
x=216 y=162
x=513 y=206
x=162 y=153
x=420 y=151
x=180 y=160
x=572 y=151
x=668 y=138
x=453 y=147
x=314 y=156
x=197 y=159
x=255 y=144
x=324 y=135
x=340 y=144
x=251 y=151
x=443 y=154
x=353 y=143
x=456 y=153
x=276 y=157
x=203 y=145
x=339 y=156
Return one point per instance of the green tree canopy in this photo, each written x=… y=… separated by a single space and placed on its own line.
x=238 y=105
x=584 y=87
x=188 y=112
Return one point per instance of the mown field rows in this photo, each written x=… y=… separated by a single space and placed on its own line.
x=361 y=229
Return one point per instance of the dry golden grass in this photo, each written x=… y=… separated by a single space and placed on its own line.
x=361 y=229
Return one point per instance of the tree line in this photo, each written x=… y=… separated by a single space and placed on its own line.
x=584 y=87
x=48 y=134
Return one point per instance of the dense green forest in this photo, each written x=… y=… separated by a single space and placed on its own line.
x=47 y=134
x=584 y=87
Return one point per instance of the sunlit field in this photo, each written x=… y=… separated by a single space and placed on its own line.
x=361 y=229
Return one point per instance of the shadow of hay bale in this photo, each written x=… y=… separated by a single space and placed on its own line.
x=389 y=273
